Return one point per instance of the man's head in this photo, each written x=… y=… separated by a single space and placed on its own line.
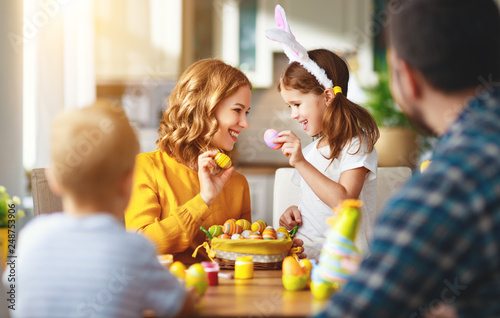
x=449 y=45
x=93 y=153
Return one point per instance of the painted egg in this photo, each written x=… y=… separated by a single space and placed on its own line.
x=178 y=270
x=258 y=226
x=223 y=160
x=269 y=135
x=245 y=225
x=235 y=236
x=215 y=230
x=280 y=236
x=269 y=233
x=224 y=236
x=230 y=227
x=283 y=230
x=255 y=236
x=246 y=234
x=197 y=277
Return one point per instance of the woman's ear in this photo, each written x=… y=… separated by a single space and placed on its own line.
x=329 y=96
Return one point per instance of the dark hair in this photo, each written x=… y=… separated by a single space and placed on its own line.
x=343 y=119
x=454 y=44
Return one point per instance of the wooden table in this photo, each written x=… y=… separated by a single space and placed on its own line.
x=262 y=296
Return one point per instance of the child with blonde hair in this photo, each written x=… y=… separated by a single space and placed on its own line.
x=82 y=262
x=342 y=162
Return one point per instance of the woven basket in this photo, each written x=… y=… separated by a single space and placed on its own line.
x=265 y=254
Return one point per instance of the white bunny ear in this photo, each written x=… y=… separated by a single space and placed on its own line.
x=280 y=18
x=293 y=49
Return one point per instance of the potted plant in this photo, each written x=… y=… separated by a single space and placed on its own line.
x=9 y=214
x=397 y=145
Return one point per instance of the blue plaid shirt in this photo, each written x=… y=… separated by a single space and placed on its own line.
x=437 y=241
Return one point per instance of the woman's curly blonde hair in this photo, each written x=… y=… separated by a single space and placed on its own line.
x=189 y=123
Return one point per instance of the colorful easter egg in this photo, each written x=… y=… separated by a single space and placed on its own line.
x=255 y=236
x=224 y=236
x=223 y=160
x=178 y=270
x=197 y=277
x=245 y=225
x=215 y=230
x=246 y=234
x=283 y=231
x=280 y=236
x=258 y=226
x=230 y=227
x=269 y=136
x=235 y=236
x=269 y=233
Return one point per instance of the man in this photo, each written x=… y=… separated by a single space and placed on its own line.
x=437 y=243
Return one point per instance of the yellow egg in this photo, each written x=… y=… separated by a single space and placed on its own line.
x=258 y=226
x=178 y=270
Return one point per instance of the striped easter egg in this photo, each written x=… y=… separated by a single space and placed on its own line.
x=269 y=233
x=255 y=236
x=230 y=227
x=215 y=230
x=269 y=135
x=224 y=236
x=258 y=226
x=223 y=160
x=245 y=225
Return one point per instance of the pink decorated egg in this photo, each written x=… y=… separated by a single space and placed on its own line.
x=269 y=136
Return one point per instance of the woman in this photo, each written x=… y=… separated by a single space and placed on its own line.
x=178 y=187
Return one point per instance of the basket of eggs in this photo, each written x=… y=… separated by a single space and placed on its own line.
x=267 y=246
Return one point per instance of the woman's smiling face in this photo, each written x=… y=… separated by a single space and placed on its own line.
x=231 y=114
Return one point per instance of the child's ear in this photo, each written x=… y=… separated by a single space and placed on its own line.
x=125 y=186
x=329 y=95
x=54 y=185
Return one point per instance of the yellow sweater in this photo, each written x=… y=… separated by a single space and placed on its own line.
x=167 y=207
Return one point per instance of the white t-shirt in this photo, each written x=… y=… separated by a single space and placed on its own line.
x=89 y=267
x=314 y=212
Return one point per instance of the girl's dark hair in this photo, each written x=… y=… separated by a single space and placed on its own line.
x=343 y=119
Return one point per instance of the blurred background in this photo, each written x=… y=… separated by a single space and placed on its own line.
x=61 y=54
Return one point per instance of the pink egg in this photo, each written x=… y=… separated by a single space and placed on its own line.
x=269 y=135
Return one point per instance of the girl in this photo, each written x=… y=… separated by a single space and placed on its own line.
x=176 y=189
x=341 y=163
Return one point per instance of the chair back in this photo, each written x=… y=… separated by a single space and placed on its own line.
x=286 y=193
x=44 y=201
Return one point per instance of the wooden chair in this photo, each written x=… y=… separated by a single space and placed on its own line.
x=44 y=201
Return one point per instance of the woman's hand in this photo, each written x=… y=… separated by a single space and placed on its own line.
x=291 y=147
x=290 y=217
x=210 y=185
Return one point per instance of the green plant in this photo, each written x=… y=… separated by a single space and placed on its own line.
x=6 y=206
x=382 y=106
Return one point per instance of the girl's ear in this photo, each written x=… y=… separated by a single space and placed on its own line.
x=329 y=96
x=54 y=185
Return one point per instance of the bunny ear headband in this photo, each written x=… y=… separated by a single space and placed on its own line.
x=295 y=51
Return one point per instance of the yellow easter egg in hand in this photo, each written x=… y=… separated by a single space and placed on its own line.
x=223 y=160
x=178 y=270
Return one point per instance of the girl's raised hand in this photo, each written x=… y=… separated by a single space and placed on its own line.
x=290 y=217
x=291 y=147
x=210 y=185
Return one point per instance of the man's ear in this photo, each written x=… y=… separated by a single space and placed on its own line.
x=412 y=80
x=54 y=185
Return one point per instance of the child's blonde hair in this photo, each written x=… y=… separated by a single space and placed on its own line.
x=92 y=149
x=343 y=119
x=189 y=124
